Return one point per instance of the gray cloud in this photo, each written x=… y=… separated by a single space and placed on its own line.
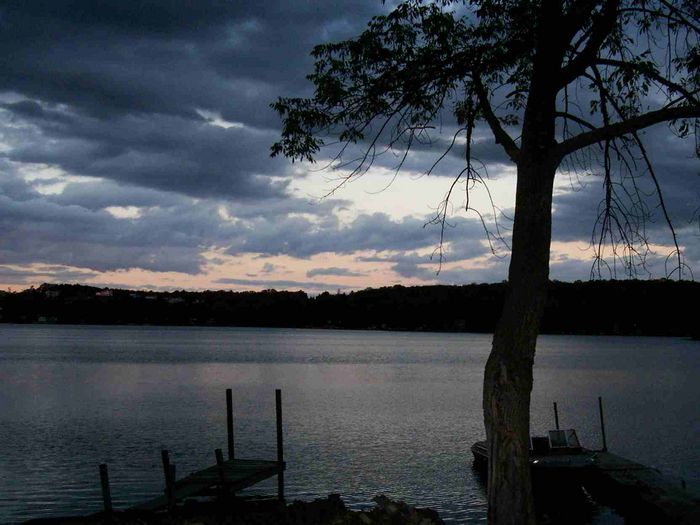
x=279 y=283
x=333 y=271
x=676 y=167
x=162 y=152
x=165 y=239
x=167 y=57
x=171 y=232
x=115 y=90
x=125 y=92
x=303 y=237
x=58 y=274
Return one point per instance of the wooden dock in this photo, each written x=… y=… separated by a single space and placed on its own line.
x=638 y=490
x=232 y=476
x=221 y=480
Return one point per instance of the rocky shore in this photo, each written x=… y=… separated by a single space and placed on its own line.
x=328 y=511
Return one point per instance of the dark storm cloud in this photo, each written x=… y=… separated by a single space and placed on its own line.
x=117 y=89
x=36 y=230
x=99 y=194
x=159 y=151
x=303 y=237
x=130 y=93
x=167 y=57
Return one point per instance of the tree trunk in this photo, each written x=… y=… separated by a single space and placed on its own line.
x=508 y=376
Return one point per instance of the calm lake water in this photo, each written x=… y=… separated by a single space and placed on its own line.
x=365 y=412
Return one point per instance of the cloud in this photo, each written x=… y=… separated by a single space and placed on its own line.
x=285 y=284
x=172 y=232
x=162 y=109
x=168 y=57
x=303 y=237
x=58 y=274
x=37 y=230
x=333 y=271
x=167 y=153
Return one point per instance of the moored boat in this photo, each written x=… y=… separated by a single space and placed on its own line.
x=557 y=455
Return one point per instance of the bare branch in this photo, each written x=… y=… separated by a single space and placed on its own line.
x=502 y=138
x=624 y=127
x=650 y=74
x=574 y=118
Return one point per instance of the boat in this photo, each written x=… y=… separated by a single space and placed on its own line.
x=557 y=456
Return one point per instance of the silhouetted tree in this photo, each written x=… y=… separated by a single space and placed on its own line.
x=561 y=76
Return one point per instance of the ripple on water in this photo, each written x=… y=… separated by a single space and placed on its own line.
x=366 y=413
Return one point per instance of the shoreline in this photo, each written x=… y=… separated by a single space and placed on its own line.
x=262 y=511
x=340 y=329
x=635 y=308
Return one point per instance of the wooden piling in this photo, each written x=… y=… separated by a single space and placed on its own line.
x=229 y=423
x=602 y=423
x=280 y=445
x=106 y=495
x=221 y=473
x=556 y=416
x=169 y=474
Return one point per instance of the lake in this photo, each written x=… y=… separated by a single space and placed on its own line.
x=365 y=412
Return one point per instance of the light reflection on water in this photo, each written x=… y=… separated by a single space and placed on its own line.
x=365 y=412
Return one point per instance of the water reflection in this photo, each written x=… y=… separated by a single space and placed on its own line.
x=365 y=412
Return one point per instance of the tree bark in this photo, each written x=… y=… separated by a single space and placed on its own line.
x=508 y=375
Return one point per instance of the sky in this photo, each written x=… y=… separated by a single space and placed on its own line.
x=135 y=152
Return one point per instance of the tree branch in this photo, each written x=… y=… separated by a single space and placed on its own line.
x=624 y=127
x=502 y=138
x=650 y=74
x=575 y=17
x=574 y=118
x=602 y=26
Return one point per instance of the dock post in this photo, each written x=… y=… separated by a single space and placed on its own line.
x=229 y=423
x=169 y=474
x=106 y=495
x=556 y=416
x=280 y=445
x=222 y=474
x=602 y=423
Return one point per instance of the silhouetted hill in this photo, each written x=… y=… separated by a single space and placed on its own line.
x=595 y=307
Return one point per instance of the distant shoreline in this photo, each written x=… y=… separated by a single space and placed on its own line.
x=632 y=308
x=326 y=328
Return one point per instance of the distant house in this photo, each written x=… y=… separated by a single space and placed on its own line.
x=175 y=300
x=105 y=292
x=51 y=294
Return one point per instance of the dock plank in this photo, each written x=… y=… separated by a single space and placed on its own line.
x=239 y=474
x=641 y=487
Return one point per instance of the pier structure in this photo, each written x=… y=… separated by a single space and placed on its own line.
x=640 y=491
x=635 y=490
x=222 y=480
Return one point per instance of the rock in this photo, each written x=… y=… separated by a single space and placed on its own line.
x=390 y=512
x=325 y=511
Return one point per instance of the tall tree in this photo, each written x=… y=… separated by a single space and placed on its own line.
x=550 y=79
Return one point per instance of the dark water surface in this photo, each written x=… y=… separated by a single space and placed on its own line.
x=364 y=412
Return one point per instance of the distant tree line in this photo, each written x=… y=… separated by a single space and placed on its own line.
x=628 y=307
